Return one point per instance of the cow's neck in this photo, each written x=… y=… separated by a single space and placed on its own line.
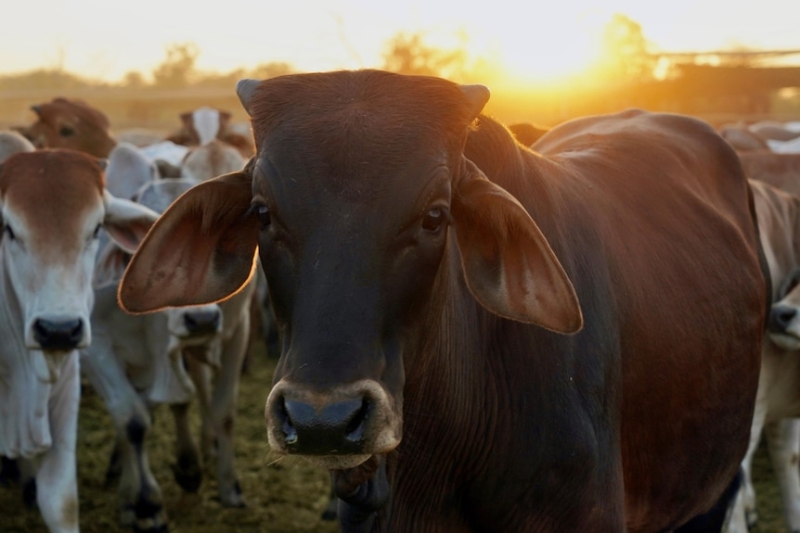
x=24 y=390
x=11 y=316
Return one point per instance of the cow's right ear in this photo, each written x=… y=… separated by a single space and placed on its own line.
x=201 y=250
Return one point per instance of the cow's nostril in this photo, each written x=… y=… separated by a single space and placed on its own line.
x=355 y=428
x=289 y=432
x=58 y=334
x=202 y=322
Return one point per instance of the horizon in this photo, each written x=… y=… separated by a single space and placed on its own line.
x=84 y=38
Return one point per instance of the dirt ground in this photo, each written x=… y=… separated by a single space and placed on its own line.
x=283 y=496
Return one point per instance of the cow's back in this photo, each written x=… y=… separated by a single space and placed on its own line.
x=650 y=216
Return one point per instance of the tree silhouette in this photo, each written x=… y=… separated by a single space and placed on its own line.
x=626 y=52
x=407 y=53
x=178 y=69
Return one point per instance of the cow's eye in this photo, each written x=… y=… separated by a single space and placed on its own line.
x=433 y=220
x=66 y=131
x=96 y=233
x=8 y=231
x=264 y=218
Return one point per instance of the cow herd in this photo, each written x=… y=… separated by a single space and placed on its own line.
x=481 y=328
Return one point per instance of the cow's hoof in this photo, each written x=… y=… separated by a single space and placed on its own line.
x=232 y=497
x=150 y=525
x=751 y=517
x=187 y=472
x=145 y=517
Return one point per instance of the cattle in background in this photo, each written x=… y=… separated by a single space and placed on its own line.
x=477 y=337
x=53 y=205
x=138 y=362
x=777 y=131
x=129 y=169
x=778 y=399
x=742 y=139
x=210 y=160
x=779 y=170
x=11 y=143
x=65 y=123
x=204 y=124
x=69 y=123
x=784 y=147
x=527 y=134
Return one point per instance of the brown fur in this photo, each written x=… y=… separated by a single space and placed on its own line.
x=74 y=124
x=779 y=170
x=68 y=182
x=187 y=135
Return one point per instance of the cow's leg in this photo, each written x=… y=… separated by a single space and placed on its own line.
x=57 y=483
x=737 y=522
x=27 y=478
x=222 y=412
x=186 y=470
x=748 y=490
x=9 y=471
x=114 y=470
x=783 y=439
x=140 y=500
x=200 y=373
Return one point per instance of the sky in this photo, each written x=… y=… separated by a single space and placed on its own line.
x=104 y=39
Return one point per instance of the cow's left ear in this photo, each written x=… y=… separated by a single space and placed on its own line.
x=508 y=263
x=201 y=250
x=126 y=222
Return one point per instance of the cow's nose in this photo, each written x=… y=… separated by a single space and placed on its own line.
x=202 y=322
x=58 y=335
x=336 y=428
x=780 y=318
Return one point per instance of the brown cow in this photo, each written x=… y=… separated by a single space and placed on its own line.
x=526 y=133
x=73 y=124
x=779 y=170
x=476 y=337
x=204 y=124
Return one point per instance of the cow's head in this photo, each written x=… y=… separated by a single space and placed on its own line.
x=187 y=326
x=72 y=124
x=52 y=206
x=783 y=325
x=367 y=216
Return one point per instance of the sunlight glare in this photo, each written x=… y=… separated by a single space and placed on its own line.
x=557 y=45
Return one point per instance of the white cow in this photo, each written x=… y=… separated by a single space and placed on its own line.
x=778 y=398
x=129 y=169
x=137 y=362
x=52 y=206
x=12 y=142
x=791 y=146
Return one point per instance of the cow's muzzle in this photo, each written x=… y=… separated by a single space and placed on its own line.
x=205 y=322
x=339 y=428
x=58 y=334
